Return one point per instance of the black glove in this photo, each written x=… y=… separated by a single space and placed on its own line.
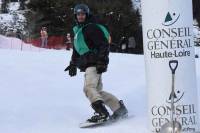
x=101 y=67
x=72 y=70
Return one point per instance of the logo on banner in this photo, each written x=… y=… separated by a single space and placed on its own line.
x=184 y=113
x=171 y=19
x=170 y=40
x=177 y=97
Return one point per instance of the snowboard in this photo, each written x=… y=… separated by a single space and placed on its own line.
x=88 y=124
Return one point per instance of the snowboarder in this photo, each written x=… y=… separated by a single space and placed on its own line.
x=90 y=55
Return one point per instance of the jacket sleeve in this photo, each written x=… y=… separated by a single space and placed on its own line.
x=74 y=58
x=98 y=39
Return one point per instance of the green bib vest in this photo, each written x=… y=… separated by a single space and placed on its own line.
x=79 y=40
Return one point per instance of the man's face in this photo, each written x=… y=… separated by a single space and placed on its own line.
x=81 y=17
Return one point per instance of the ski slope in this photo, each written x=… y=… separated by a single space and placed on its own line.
x=15 y=43
x=36 y=96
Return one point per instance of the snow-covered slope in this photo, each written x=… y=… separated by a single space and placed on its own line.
x=14 y=43
x=36 y=96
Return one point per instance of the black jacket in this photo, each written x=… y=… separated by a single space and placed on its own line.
x=97 y=42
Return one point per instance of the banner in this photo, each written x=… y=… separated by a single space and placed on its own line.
x=168 y=35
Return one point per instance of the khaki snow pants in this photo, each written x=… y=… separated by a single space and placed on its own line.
x=93 y=89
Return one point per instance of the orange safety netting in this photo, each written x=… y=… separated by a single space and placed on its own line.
x=54 y=42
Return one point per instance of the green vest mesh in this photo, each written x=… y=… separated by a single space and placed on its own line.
x=79 y=40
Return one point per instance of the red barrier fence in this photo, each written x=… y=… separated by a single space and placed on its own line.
x=54 y=42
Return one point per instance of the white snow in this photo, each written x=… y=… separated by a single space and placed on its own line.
x=37 y=96
x=13 y=6
x=137 y=4
x=14 y=43
x=13 y=20
x=5 y=18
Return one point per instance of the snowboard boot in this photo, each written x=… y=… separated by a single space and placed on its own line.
x=101 y=114
x=120 y=113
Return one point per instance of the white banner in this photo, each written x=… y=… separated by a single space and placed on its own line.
x=168 y=35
